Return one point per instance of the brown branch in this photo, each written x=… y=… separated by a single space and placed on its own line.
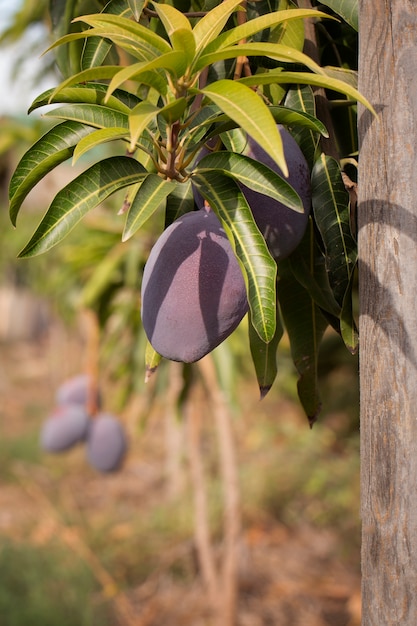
x=231 y=495
x=204 y=545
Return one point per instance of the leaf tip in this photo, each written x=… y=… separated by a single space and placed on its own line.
x=264 y=390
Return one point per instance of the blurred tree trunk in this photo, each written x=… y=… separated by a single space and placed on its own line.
x=387 y=220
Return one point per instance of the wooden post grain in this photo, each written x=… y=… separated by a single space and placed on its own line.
x=387 y=221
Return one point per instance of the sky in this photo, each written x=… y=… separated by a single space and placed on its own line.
x=18 y=92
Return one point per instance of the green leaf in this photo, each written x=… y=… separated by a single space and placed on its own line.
x=139 y=119
x=152 y=193
x=348 y=9
x=173 y=111
x=295 y=118
x=209 y=26
x=179 y=202
x=136 y=6
x=91 y=114
x=55 y=147
x=95 y=52
x=132 y=31
x=308 y=265
x=331 y=212
x=270 y=50
x=226 y=198
x=264 y=356
x=297 y=78
x=96 y=138
x=248 y=110
x=305 y=327
x=105 y=72
x=172 y=19
x=173 y=62
x=348 y=328
x=249 y=28
x=252 y=174
x=301 y=98
x=77 y=198
x=90 y=93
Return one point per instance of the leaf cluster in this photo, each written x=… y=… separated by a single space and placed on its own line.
x=162 y=84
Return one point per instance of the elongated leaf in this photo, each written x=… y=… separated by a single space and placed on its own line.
x=96 y=49
x=348 y=328
x=173 y=62
x=304 y=78
x=96 y=138
x=212 y=24
x=55 y=147
x=91 y=114
x=331 y=211
x=179 y=202
x=90 y=93
x=136 y=6
x=348 y=9
x=225 y=197
x=271 y=50
x=247 y=109
x=139 y=119
x=308 y=265
x=105 y=72
x=128 y=28
x=252 y=174
x=301 y=98
x=95 y=52
x=249 y=28
x=264 y=356
x=291 y=116
x=138 y=48
x=305 y=327
x=183 y=41
x=152 y=193
x=171 y=18
x=80 y=196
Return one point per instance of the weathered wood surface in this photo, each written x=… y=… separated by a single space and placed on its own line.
x=387 y=215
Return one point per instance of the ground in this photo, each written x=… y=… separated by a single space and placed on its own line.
x=133 y=529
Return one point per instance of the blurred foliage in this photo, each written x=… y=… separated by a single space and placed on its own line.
x=46 y=586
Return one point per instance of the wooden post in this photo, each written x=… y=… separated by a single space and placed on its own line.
x=387 y=219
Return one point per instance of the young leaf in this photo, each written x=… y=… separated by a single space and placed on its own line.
x=226 y=198
x=173 y=62
x=55 y=147
x=248 y=110
x=113 y=25
x=152 y=193
x=331 y=211
x=251 y=27
x=212 y=24
x=96 y=138
x=270 y=50
x=90 y=93
x=304 y=78
x=77 y=198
